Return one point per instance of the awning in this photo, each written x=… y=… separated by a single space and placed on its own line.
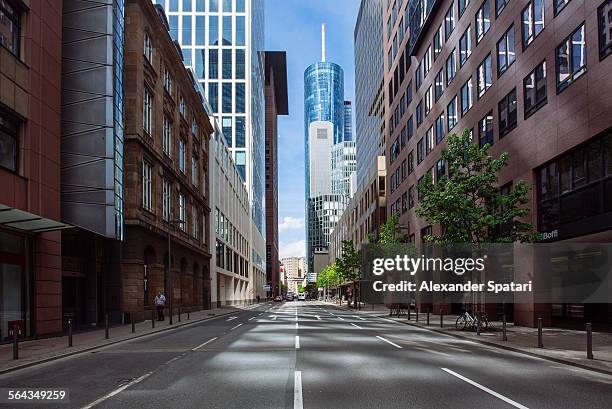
x=29 y=222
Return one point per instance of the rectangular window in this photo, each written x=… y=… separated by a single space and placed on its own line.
x=465 y=46
x=439 y=84
x=462 y=4
x=560 y=5
x=240 y=6
x=451 y=66
x=485 y=130
x=200 y=30
x=419 y=114
x=429 y=140
x=411 y=202
x=240 y=64
x=147 y=186
x=507 y=110
x=505 y=51
x=227 y=30
x=194 y=170
x=213 y=30
x=534 y=90
x=182 y=155
x=195 y=227
x=167 y=136
x=213 y=96
x=240 y=98
x=186 y=39
x=483 y=20
x=148 y=45
x=449 y=21
x=440 y=169
x=226 y=104
x=451 y=114
x=428 y=100
x=500 y=5
x=571 y=58
x=166 y=200
x=167 y=80
x=240 y=131
x=410 y=162
x=182 y=212
x=467 y=96
x=240 y=31
x=147 y=111
x=213 y=64
x=409 y=128
x=418 y=76
x=9 y=141
x=604 y=13
x=182 y=106
x=420 y=150
x=10 y=27
x=440 y=128
x=226 y=128
x=427 y=60
x=532 y=21
x=437 y=43
x=484 y=76
x=227 y=64
x=409 y=93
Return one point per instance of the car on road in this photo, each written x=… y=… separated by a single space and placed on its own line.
x=289 y=297
x=278 y=298
x=301 y=297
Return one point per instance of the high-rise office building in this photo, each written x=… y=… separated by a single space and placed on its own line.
x=329 y=153
x=223 y=41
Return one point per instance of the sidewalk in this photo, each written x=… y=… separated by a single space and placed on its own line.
x=560 y=345
x=37 y=351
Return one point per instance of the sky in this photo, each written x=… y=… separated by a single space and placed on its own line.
x=294 y=26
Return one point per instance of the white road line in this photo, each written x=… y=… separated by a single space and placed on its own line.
x=273 y=317
x=116 y=391
x=231 y=318
x=297 y=342
x=485 y=389
x=356 y=326
x=359 y=318
x=297 y=326
x=341 y=319
x=235 y=326
x=389 y=342
x=297 y=391
x=204 y=343
x=251 y=319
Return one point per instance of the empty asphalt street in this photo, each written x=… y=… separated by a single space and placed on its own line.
x=307 y=354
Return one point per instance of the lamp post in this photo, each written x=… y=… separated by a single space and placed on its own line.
x=170 y=285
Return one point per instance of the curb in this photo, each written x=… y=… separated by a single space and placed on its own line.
x=505 y=347
x=92 y=348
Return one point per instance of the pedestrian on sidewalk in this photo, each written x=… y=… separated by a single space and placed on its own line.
x=160 y=303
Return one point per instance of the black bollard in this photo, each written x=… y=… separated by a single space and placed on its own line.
x=589 y=332
x=540 y=341
x=428 y=316
x=106 y=326
x=187 y=315
x=69 y=333
x=441 y=319
x=152 y=318
x=417 y=315
x=504 y=334
x=133 y=323
x=15 y=343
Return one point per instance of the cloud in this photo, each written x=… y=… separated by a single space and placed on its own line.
x=290 y=222
x=293 y=249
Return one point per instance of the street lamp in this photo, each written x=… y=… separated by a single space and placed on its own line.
x=170 y=285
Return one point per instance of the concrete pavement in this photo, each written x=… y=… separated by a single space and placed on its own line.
x=311 y=355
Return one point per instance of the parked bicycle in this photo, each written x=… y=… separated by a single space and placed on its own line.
x=466 y=320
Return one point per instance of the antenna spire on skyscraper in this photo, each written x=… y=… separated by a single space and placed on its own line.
x=323 y=42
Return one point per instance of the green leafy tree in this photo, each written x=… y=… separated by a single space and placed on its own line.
x=468 y=204
x=390 y=231
x=349 y=264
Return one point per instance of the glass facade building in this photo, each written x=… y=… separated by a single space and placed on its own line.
x=223 y=42
x=369 y=90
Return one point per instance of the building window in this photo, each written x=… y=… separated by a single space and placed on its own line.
x=484 y=76
x=194 y=170
x=500 y=5
x=226 y=128
x=9 y=142
x=182 y=155
x=419 y=114
x=437 y=43
x=240 y=65
x=195 y=225
x=428 y=100
x=226 y=64
x=420 y=150
x=147 y=111
x=213 y=96
x=451 y=114
x=485 y=130
x=604 y=13
x=440 y=169
x=418 y=76
x=182 y=106
x=166 y=200
x=429 y=140
x=439 y=84
x=532 y=21
x=213 y=64
x=449 y=21
x=534 y=90
x=467 y=96
x=404 y=202
x=507 y=113
x=560 y=5
x=465 y=46
x=571 y=58
x=182 y=212
x=167 y=136
x=410 y=162
x=451 y=66
x=462 y=5
x=505 y=51
x=148 y=48
x=147 y=186
x=411 y=197
x=240 y=132
x=427 y=60
x=226 y=97
x=167 y=81
x=440 y=128
x=240 y=98
x=409 y=128
x=483 y=20
x=10 y=26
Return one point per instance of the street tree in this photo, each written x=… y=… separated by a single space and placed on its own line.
x=349 y=264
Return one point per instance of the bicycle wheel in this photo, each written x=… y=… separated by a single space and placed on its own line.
x=461 y=323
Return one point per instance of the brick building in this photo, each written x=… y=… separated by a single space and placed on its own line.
x=531 y=78
x=30 y=246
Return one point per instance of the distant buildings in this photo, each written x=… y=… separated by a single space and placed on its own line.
x=295 y=272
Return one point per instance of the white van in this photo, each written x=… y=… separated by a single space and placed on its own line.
x=302 y=297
